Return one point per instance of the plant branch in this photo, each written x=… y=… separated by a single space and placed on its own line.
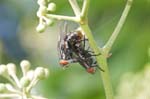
x=101 y=60
x=85 y=8
x=116 y=31
x=11 y=81
x=75 y=7
x=61 y=17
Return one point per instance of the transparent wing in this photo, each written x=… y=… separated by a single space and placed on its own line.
x=61 y=40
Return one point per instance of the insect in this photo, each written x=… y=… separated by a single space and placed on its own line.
x=85 y=57
x=65 y=53
x=71 y=47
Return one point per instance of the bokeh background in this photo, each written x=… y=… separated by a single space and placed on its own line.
x=19 y=40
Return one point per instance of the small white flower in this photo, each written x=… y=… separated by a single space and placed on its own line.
x=40 y=28
x=41 y=2
x=51 y=7
x=39 y=73
x=11 y=69
x=49 y=22
x=30 y=75
x=21 y=88
x=25 y=65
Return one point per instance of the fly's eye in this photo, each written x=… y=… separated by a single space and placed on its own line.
x=63 y=62
x=91 y=70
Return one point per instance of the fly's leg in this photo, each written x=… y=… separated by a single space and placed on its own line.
x=95 y=65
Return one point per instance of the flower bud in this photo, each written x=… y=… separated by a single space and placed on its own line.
x=46 y=72
x=30 y=75
x=49 y=22
x=41 y=2
x=39 y=14
x=24 y=81
x=2 y=87
x=25 y=65
x=42 y=11
x=11 y=69
x=41 y=28
x=3 y=70
x=39 y=72
x=51 y=7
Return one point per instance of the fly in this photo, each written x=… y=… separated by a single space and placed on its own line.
x=71 y=47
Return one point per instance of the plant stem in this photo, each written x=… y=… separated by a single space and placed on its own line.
x=102 y=61
x=116 y=31
x=61 y=17
x=85 y=8
x=75 y=7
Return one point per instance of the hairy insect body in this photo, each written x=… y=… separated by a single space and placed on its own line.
x=71 y=47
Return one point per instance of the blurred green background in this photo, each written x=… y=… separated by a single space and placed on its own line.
x=19 y=40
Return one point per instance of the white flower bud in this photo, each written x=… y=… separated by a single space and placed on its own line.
x=49 y=22
x=46 y=72
x=25 y=65
x=39 y=72
x=42 y=11
x=24 y=81
x=2 y=87
x=11 y=69
x=41 y=2
x=51 y=7
x=3 y=70
x=40 y=28
x=39 y=14
x=30 y=75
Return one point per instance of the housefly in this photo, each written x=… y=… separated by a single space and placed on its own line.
x=65 y=53
x=85 y=57
x=71 y=47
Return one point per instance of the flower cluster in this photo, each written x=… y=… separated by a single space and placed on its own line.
x=135 y=85
x=20 y=88
x=45 y=6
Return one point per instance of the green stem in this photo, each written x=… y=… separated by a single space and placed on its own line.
x=116 y=31
x=75 y=7
x=61 y=17
x=102 y=61
x=85 y=8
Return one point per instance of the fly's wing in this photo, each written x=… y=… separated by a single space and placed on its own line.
x=61 y=40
